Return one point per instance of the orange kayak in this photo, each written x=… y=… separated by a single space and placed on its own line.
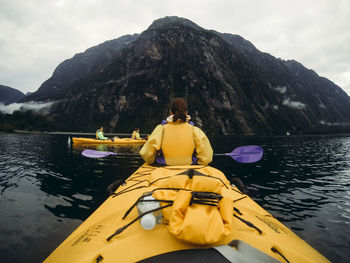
x=117 y=141
x=202 y=216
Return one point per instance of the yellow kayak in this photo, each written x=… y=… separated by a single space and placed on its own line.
x=182 y=213
x=117 y=141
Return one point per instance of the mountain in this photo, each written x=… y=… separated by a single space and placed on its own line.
x=81 y=66
x=231 y=87
x=9 y=95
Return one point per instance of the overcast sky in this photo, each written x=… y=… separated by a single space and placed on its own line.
x=37 y=35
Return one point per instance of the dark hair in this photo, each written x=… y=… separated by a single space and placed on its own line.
x=179 y=107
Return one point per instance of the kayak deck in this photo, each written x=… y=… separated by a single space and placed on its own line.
x=95 y=239
x=116 y=141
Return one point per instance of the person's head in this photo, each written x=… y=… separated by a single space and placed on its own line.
x=137 y=129
x=178 y=108
x=101 y=129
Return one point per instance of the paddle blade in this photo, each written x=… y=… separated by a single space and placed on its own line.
x=96 y=154
x=247 y=154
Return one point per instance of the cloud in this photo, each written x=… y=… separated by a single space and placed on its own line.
x=293 y=104
x=34 y=106
x=280 y=89
x=34 y=40
x=332 y=124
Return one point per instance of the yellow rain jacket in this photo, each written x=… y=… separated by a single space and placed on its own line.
x=135 y=135
x=189 y=220
x=178 y=142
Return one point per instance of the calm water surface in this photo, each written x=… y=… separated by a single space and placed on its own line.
x=47 y=189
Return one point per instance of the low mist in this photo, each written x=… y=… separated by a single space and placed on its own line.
x=33 y=106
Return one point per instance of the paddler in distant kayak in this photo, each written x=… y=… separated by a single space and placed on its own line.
x=100 y=135
x=136 y=134
x=177 y=141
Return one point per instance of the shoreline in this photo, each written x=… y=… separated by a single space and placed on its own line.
x=72 y=133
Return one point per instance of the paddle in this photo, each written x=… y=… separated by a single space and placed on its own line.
x=242 y=154
x=100 y=154
x=245 y=154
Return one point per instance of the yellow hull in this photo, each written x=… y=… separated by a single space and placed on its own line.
x=251 y=224
x=117 y=141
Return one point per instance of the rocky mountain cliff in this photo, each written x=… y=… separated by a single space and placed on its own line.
x=231 y=87
x=81 y=66
x=10 y=95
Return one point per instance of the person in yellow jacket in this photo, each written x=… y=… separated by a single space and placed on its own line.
x=136 y=134
x=177 y=141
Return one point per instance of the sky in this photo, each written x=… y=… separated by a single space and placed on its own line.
x=37 y=35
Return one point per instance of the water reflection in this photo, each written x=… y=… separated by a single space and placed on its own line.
x=305 y=183
x=47 y=189
x=83 y=187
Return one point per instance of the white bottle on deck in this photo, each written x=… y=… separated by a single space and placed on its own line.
x=149 y=221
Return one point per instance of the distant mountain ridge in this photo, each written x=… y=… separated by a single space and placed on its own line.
x=82 y=65
x=231 y=87
x=10 y=95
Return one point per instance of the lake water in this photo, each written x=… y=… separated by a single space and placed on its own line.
x=47 y=188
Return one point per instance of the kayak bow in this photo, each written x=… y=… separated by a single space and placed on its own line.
x=216 y=216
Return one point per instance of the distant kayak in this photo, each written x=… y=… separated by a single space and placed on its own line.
x=77 y=140
x=182 y=214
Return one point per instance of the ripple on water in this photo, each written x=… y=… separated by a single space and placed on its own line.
x=302 y=181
